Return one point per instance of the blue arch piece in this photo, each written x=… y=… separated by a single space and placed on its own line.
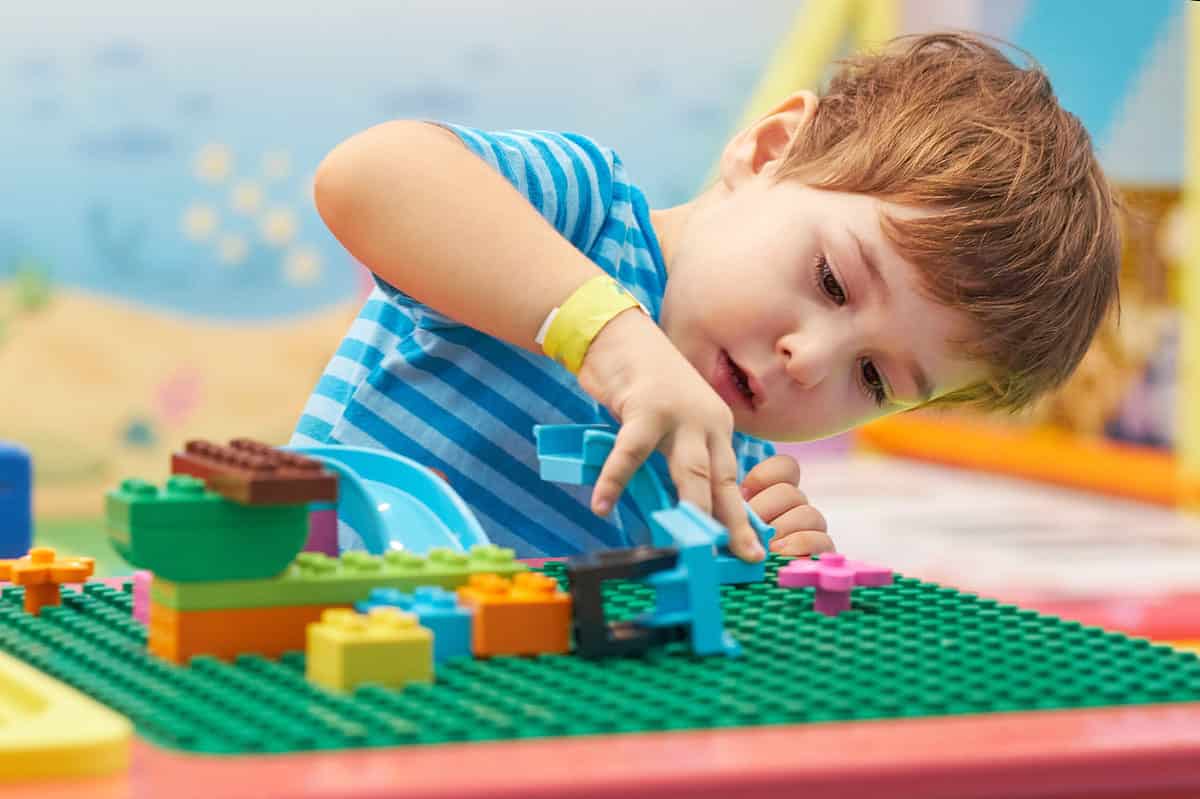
x=395 y=503
x=574 y=454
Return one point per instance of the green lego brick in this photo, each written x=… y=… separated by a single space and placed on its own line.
x=317 y=579
x=910 y=649
x=184 y=532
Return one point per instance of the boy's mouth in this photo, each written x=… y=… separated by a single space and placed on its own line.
x=731 y=375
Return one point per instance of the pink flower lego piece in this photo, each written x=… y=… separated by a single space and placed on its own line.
x=833 y=576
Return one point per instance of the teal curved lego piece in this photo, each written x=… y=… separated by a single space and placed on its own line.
x=395 y=503
x=575 y=453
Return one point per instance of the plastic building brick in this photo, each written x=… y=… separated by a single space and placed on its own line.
x=52 y=731
x=833 y=577
x=315 y=579
x=42 y=572
x=393 y=502
x=527 y=615
x=689 y=594
x=141 y=595
x=180 y=635
x=387 y=647
x=184 y=532
x=323 y=531
x=253 y=473
x=437 y=609
x=575 y=453
x=595 y=635
x=16 y=497
x=973 y=655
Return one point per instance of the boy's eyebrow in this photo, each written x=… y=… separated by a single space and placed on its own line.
x=920 y=379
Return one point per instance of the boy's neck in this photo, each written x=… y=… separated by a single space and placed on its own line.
x=668 y=224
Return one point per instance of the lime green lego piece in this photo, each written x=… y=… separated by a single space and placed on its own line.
x=317 y=579
x=184 y=532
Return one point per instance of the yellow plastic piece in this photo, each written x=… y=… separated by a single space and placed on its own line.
x=50 y=730
x=386 y=647
x=1189 y=351
x=1187 y=646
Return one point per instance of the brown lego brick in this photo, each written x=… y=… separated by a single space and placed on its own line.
x=253 y=473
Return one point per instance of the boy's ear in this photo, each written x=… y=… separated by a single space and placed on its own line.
x=766 y=141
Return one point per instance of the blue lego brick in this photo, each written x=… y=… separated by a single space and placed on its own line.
x=690 y=593
x=16 y=500
x=437 y=609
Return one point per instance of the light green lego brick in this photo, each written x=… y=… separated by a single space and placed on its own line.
x=317 y=579
x=184 y=532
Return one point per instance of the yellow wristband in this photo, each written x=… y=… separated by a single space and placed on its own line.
x=569 y=329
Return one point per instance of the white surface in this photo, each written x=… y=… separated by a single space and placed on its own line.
x=997 y=535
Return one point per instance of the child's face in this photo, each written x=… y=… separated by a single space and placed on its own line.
x=777 y=278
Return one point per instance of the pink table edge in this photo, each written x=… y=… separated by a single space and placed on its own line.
x=1128 y=751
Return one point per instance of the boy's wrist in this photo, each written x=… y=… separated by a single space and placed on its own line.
x=608 y=360
x=568 y=331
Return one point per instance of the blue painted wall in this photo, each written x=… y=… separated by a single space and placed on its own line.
x=164 y=155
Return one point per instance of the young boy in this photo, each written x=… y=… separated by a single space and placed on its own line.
x=933 y=229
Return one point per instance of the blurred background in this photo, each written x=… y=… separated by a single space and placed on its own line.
x=163 y=273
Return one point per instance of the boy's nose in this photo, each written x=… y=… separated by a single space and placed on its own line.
x=807 y=359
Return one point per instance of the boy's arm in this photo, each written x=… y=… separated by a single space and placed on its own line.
x=426 y=215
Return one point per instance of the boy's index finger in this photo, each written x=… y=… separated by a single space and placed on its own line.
x=730 y=509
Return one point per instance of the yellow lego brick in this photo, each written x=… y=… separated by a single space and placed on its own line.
x=49 y=730
x=527 y=615
x=386 y=647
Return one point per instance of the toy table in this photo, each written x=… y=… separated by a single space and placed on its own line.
x=917 y=691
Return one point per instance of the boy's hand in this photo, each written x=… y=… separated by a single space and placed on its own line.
x=773 y=491
x=663 y=403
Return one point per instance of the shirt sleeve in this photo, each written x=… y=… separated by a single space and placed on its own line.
x=750 y=451
x=567 y=178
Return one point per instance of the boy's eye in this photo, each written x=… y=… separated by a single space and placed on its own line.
x=873 y=383
x=827 y=282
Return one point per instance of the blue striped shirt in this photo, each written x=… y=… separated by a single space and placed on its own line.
x=411 y=380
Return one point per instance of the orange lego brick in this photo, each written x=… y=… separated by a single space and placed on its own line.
x=527 y=615
x=42 y=572
x=253 y=473
x=179 y=635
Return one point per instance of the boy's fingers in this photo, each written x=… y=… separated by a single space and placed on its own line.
x=799 y=518
x=633 y=444
x=729 y=507
x=776 y=500
x=775 y=469
x=691 y=470
x=800 y=544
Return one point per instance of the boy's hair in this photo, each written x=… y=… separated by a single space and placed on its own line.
x=1022 y=232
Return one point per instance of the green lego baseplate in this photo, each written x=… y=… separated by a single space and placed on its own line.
x=910 y=649
x=317 y=579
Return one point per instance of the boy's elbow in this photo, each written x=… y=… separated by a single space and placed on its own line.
x=333 y=187
x=346 y=177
